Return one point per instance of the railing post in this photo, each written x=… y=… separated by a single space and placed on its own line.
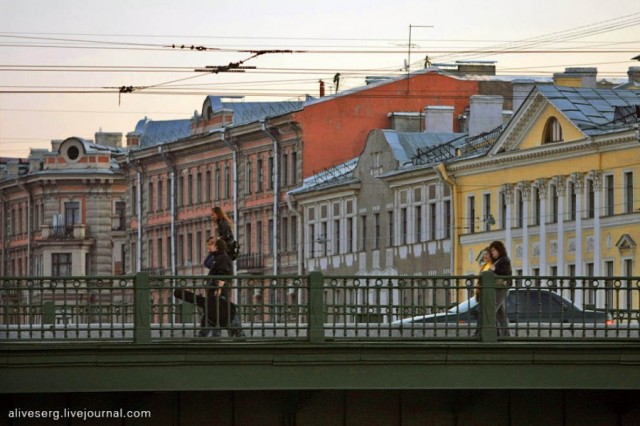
x=316 y=314
x=488 y=332
x=142 y=304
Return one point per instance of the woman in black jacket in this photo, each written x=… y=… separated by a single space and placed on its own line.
x=224 y=226
x=501 y=266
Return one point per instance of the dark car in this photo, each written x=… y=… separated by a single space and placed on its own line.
x=530 y=305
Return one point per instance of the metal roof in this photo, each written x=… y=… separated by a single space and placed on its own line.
x=592 y=110
x=159 y=132
x=406 y=146
x=248 y=112
x=332 y=176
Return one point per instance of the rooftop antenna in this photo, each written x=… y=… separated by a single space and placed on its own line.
x=408 y=63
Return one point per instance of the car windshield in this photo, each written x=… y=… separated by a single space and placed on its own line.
x=464 y=306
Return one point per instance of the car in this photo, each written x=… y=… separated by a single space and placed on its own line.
x=532 y=305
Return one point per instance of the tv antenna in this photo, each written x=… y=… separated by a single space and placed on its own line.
x=408 y=63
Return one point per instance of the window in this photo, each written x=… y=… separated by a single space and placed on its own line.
x=270 y=172
x=207 y=190
x=554 y=204
x=447 y=218
x=609 y=202
x=189 y=248
x=486 y=206
x=294 y=231
x=71 y=214
x=260 y=179
x=552 y=131
x=572 y=200
x=180 y=191
x=61 y=264
x=503 y=211
x=159 y=204
x=323 y=237
x=391 y=230
x=312 y=242
x=217 y=185
x=285 y=169
x=520 y=208
x=284 y=239
x=199 y=245
x=227 y=182
x=199 y=187
x=628 y=192
x=150 y=206
x=591 y=204
x=150 y=254
x=363 y=243
x=471 y=214
x=350 y=235
x=180 y=250
x=418 y=224
x=121 y=214
x=259 y=235
x=535 y=193
x=248 y=236
x=168 y=252
x=270 y=236
x=294 y=168
x=376 y=231
x=608 y=269
x=190 y=190
x=336 y=236
x=432 y=221
x=249 y=178
x=134 y=199
x=403 y=226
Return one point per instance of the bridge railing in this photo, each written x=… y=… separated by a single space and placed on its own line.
x=317 y=308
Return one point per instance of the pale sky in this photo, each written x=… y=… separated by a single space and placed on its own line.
x=63 y=46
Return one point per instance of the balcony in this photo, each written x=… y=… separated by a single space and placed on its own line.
x=252 y=262
x=64 y=232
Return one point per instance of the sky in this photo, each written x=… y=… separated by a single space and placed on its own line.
x=64 y=63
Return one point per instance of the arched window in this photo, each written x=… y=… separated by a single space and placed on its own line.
x=552 y=131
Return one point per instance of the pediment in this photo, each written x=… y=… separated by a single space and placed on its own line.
x=625 y=242
x=528 y=129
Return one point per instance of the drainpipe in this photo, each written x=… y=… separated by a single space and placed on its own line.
x=234 y=153
x=139 y=199
x=172 y=174
x=276 y=193
x=29 y=265
x=441 y=170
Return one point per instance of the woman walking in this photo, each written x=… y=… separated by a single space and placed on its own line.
x=501 y=266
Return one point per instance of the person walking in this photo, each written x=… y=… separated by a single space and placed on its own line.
x=501 y=266
x=485 y=265
x=224 y=226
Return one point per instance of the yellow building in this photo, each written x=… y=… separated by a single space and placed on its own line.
x=560 y=187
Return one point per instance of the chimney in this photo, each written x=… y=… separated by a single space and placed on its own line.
x=111 y=139
x=634 y=76
x=321 y=88
x=576 y=77
x=521 y=89
x=438 y=119
x=133 y=139
x=485 y=113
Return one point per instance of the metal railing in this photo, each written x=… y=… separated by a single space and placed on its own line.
x=315 y=308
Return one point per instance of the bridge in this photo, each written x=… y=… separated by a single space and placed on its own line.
x=415 y=347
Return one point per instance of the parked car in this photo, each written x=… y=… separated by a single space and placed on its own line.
x=531 y=305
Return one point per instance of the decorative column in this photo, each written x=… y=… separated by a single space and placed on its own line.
x=541 y=184
x=508 y=199
x=596 y=178
x=525 y=190
x=561 y=189
x=578 y=180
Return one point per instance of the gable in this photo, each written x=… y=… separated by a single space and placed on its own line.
x=537 y=132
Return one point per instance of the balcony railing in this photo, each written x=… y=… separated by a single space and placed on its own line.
x=59 y=232
x=315 y=308
x=250 y=261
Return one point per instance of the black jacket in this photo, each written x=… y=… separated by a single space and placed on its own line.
x=503 y=266
x=219 y=263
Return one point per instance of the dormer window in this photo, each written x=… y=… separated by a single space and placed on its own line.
x=552 y=131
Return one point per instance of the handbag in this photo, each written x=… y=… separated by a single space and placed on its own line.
x=218 y=309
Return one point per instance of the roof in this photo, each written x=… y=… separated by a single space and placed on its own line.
x=159 y=132
x=248 y=112
x=340 y=174
x=406 y=146
x=592 y=110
